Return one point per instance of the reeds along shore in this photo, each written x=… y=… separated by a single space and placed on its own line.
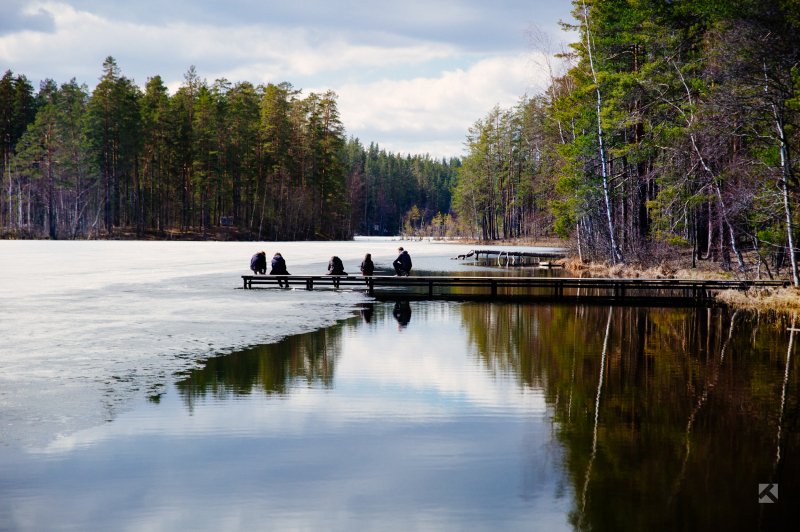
x=778 y=299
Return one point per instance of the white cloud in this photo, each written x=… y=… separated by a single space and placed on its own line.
x=398 y=85
x=446 y=105
x=253 y=52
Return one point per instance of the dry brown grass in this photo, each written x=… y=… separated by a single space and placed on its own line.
x=762 y=298
x=778 y=299
x=665 y=270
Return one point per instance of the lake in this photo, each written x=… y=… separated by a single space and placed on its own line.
x=141 y=389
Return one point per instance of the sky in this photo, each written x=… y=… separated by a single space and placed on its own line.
x=410 y=75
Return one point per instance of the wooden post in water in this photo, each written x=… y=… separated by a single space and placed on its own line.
x=619 y=291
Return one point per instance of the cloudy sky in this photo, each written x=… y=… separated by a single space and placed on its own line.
x=411 y=75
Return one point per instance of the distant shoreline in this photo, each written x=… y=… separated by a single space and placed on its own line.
x=223 y=234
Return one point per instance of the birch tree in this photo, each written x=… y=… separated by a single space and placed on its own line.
x=616 y=254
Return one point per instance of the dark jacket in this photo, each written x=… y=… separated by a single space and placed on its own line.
x=403 y=261
x=278 y=266
x=367 y=267
x=258 y=262
x=335 y=266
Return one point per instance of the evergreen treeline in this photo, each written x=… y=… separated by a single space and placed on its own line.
x=505 y=185
x=675 y=128
x=259 y=162
x=393 y=194
x=676 y=125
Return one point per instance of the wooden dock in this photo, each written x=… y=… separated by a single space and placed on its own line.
x=516 y=258
x=510 y=253
x=474 y=288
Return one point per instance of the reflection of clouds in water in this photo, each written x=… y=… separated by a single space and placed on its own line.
x=431 y=354
x=449 y=442
x=415 y=433
x=121 y=317
x=430 y=471
x=427 y=373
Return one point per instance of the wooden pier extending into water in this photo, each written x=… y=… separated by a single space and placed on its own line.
x=529 y=258
x=495 y=288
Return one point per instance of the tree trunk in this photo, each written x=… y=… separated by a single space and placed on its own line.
x=712 y=176
x=616 y=254
x=786 y=178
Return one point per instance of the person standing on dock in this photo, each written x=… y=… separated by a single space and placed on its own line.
x=402 y=264
x=258 y=263
x=367 y=266
x=279 y=268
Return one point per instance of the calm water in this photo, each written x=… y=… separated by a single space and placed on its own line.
x=442 y=416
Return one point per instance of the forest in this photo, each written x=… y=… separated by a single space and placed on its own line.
x=673 y=129
x=219 y=160
x=667 y=127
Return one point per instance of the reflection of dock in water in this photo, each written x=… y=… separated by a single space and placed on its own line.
x=473 y=288
x=543 y=259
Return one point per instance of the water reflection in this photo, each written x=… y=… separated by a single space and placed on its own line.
x=308 y=359
x=482 y=268
x=670 y=418
x=367 y=310
x=402 y=313
x=523 y=268
x=663 y=418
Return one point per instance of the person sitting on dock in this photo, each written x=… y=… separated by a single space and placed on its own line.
x=335 y=267
x=258 y=263
x=279 y=268
x=402 y=264
x=367 y=266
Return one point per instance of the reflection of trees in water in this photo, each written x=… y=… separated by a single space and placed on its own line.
x=694 y=403
x=670 y=377
x=276 y=368
x=271 y=368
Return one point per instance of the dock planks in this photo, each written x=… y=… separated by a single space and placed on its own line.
x=492 y=288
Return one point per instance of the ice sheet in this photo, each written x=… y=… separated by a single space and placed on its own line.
x=87 y=325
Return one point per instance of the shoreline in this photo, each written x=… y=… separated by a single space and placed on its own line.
x=757 y=299
x=777 y=299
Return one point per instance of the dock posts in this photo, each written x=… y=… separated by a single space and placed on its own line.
x=516 y=288
x=559 y=289
x=619 y=291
